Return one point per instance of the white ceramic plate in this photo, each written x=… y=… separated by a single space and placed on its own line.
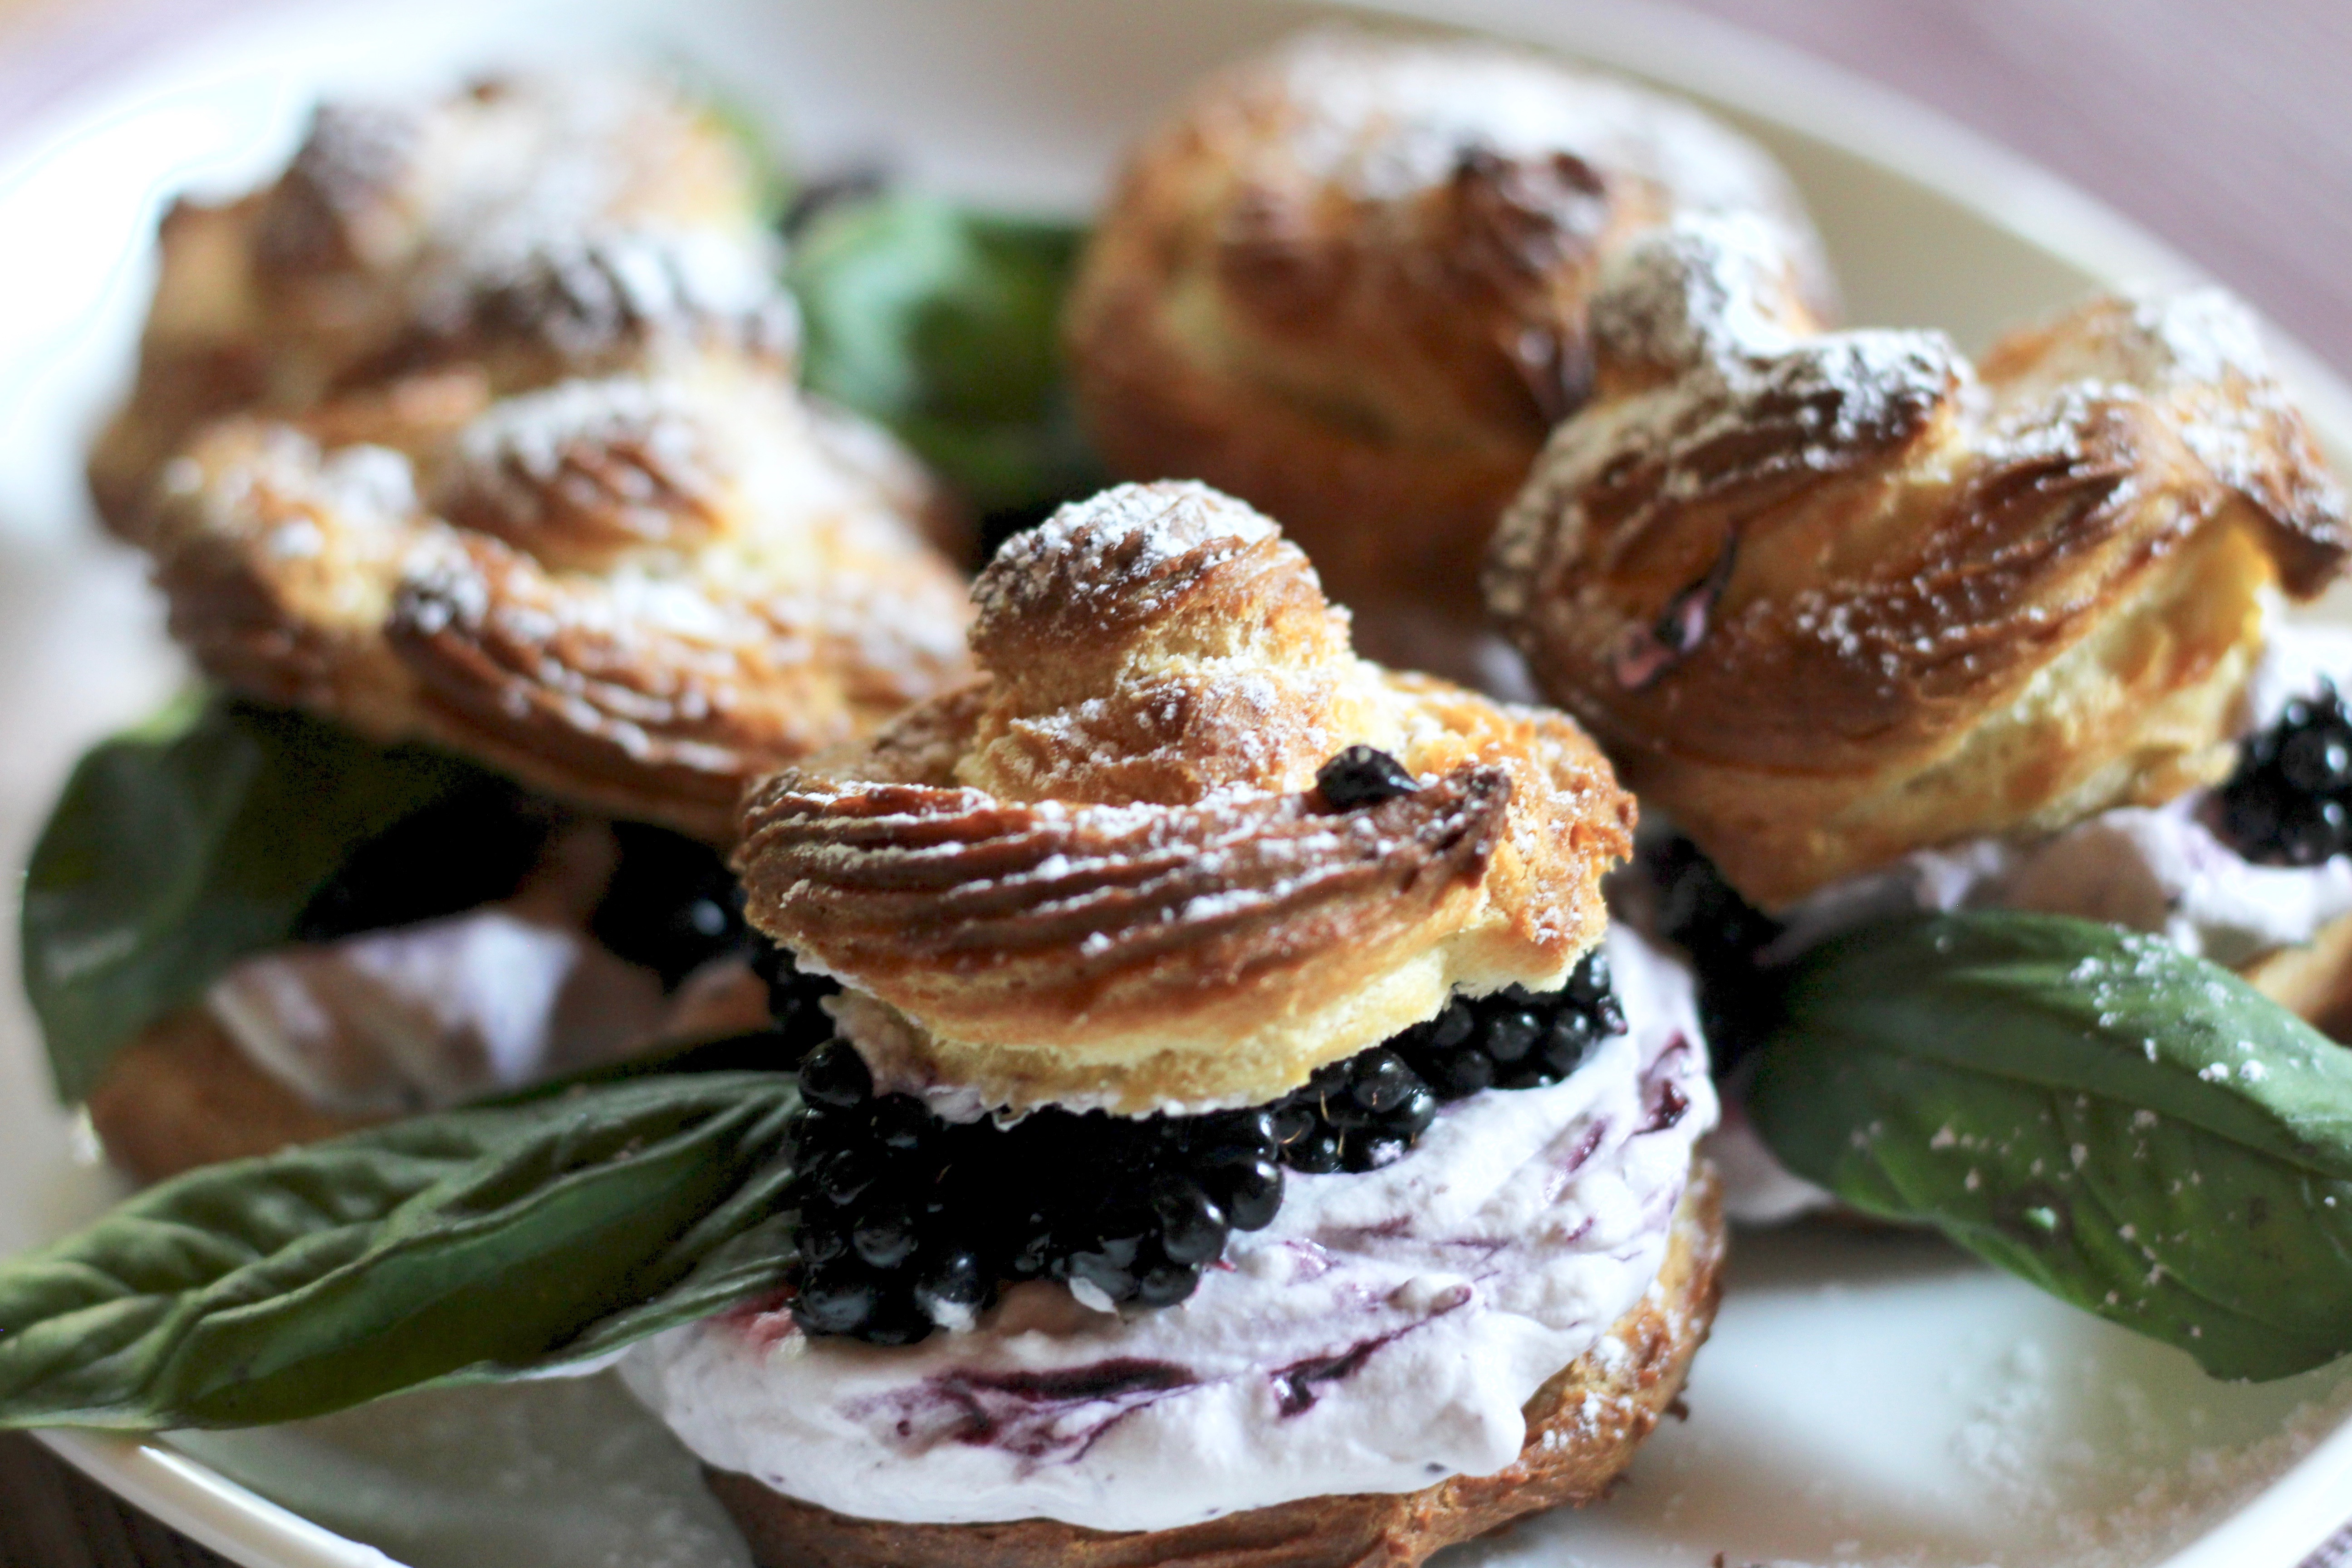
x=1866 y=1400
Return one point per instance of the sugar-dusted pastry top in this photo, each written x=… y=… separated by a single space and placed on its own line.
x=1347 y=281
x=479 y=427
x=634 y=594
x=558 y=219
x=1105 y=873
x=1832 y=597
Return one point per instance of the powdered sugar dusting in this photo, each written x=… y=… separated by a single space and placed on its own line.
x=1116 y=544
x=530 y=434
x=1746 y=396
x=1384 y=118
x=2161 y=1502
x=1700 y=289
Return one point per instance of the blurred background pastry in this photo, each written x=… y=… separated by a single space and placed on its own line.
x=1347 y=281
x=1881 y=629
x=470 y=449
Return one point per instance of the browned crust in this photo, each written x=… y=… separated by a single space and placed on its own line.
x=180 y=1094
x=316 y=283
x=946 y=902
x=1375 y=367
x=635 y=625
x=1583 y=1428
x=2313 y=980
x=1106 y=868
x=1831 y=598
x=477 y=427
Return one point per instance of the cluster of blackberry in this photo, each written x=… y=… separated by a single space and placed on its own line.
x=1722 y=932
x=672 y=905
x=906 y=1220
x=2290 y=801
x=472 y=847
x=1516 y=1039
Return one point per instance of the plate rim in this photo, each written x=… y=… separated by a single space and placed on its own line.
x=1682 y=50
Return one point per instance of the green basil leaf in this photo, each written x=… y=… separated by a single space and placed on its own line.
x=469 y=1246
x=749 y=1050
x=2137 y=1132
x=180 y=847
x=943 y=323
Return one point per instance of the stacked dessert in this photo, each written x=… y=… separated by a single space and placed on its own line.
x=1244 y=1120
x=1347 y=281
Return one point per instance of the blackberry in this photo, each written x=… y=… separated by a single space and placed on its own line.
x=906 y=1220
x=795 y=1001
x=463 y=851
x=1515 y=1038
x=1724 y=933
x=1353 y=1115
x=1361 y=776
x=2290 y=801
x=672 y=905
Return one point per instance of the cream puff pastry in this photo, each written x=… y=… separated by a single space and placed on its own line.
x=511 y=460
x=1830 y=598
x=1347 y=281
x=478 y=428
x=1105 y=872
x=1238 y=1113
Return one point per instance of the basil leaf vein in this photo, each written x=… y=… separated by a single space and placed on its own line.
x=2135 y=1131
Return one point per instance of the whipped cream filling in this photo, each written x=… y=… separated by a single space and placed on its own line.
x=1380 y=1335
x=2156 y=869
x=423 y=1017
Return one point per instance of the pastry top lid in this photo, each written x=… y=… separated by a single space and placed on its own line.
x=478 y=426
x=1832 y=596
x=1114 y=869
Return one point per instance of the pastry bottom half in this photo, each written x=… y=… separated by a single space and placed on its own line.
x=180 y=1094
x=2313 y=980
x=1583 y=1428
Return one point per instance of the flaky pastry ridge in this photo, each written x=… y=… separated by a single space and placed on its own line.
x=1103 y=873
x=1832 y=597
x=515 y=463
x=1348 y=280
x=416 y=232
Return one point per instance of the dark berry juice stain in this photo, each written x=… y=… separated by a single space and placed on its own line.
x=1295 y=1385
x=1648 y=651
x=1667 y=1103
x=1103 y=1380
x=1034 y=1416
x=1586 y=1147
